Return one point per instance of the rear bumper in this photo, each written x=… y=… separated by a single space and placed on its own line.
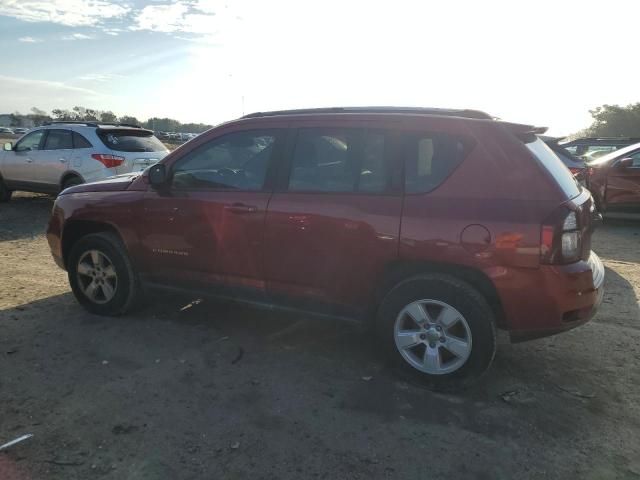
x=553 y=299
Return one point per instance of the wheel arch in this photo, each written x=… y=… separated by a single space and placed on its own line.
x=67 y=175
x=400 y=270
x=74 y=230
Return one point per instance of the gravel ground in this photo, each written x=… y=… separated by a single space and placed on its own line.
x=187 y=390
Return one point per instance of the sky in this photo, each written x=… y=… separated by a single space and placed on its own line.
x=541 y=62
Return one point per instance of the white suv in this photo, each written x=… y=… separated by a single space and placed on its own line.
x=58 y=155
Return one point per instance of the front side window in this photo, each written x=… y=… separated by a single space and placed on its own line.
x=58 y=140
x=339 y=160
x=30 y=142
x=636 y=160
x=237 y=161
x=429 y=159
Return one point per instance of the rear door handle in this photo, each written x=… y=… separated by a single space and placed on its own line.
x=63 y=160
x=29 y=160
x=241 y=208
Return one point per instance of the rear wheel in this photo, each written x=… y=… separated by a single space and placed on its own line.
x=439 y=328
x=101 y=275
x=5 y=193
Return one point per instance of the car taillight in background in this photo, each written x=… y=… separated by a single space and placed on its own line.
x=561 y=238
x=109 y=161
x=575 y=171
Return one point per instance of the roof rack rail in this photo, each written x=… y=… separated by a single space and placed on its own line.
x=466 y=113
x=71 y=122
x=90 y=123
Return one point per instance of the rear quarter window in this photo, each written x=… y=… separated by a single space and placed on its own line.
x=555 y=167
x=130 y=140
x=429 y=158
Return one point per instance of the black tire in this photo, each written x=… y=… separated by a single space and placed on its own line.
x=127 y=290
x=458 y=294
x=71 y=182
x=5 y=193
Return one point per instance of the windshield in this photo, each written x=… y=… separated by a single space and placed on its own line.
x=131 y=140
x=613 y=155
x=555 y=167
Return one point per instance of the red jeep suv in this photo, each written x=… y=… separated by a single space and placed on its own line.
x=438 y=226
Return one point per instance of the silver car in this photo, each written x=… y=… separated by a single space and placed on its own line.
x=58 y=155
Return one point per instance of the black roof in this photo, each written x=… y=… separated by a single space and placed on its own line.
x=466 y=113
x=603 y=140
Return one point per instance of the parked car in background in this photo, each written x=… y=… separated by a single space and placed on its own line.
x=20 y=130
x=590 y=148
x=614 y=181
x=6 y=130
x=576 y=165
x=58 y=155
x=438 y=226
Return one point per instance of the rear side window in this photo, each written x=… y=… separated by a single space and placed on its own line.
x=80 y=142
x=58 y=140
x=555 y=167
x=339 y=160
x=130 y=140
x=429 y=158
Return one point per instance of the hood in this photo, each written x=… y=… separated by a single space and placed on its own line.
x=111 y=184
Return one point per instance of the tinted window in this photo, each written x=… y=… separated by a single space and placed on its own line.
x=58 y=140
x=30 y=142
x=345 y=160
x=131 y=140
x=429 y=160
x=235 y=161
x=80 y=142
x=555 y=167
x=636 y=160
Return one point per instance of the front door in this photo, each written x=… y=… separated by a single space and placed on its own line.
x=55 y=158
x=19 y=166
x=623 y=187
x=206 y=228
x=333 y=224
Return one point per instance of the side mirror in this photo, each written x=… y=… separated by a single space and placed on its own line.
x=158 y=175
x=625 y=162
x=8 y=147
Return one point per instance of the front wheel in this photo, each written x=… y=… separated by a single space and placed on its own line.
x=5 y=193
x=101 y=275
x=439 y=328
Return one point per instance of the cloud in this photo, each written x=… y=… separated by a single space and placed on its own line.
x=73 y=13
x=29 y=85
x=194 y=17
x=99 y=77
x=78 y=36
x=29 y=40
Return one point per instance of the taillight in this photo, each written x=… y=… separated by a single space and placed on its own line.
x=561 y=239
x=109 y=161
x=575 y=171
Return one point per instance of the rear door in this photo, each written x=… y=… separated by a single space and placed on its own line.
x=623 y=186
x=206 y=229
x=19 y=165
x=333 y=223
x=55 y=157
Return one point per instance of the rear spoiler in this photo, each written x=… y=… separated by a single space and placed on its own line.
x=526 y=133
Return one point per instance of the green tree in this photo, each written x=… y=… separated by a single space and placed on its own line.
x=129 y=120
x=615 y=121
x=108 y=117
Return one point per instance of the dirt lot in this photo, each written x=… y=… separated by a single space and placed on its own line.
x=217 y=391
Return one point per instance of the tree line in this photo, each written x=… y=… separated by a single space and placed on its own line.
x=81 y=114
x=608 y=120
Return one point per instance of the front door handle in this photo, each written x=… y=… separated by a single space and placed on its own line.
x=63 y=160
x=241 y=208
x=29 y=160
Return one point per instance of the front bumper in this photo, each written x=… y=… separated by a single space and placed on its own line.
x=554 y=299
